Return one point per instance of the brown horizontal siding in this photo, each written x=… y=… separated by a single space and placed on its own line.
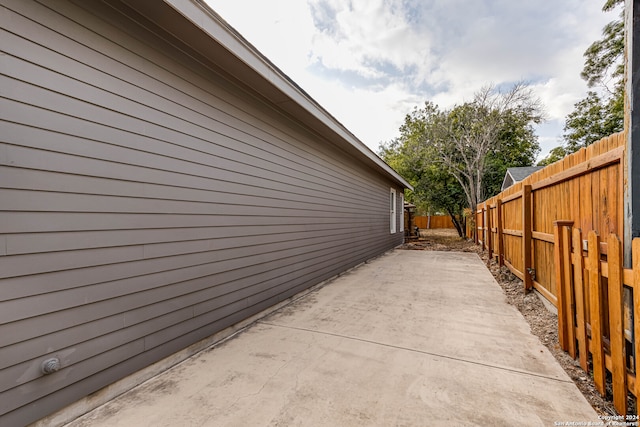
x=147 y=203
x=35 y=201
x=168 y=326
x=228 y=260
x=119 y=116
x=60 y=148
x=197 y=89
x=83 y=379
x=34 y=284
x=32 y=179
x=30 y=243
x=132 y=308
x=62 y=183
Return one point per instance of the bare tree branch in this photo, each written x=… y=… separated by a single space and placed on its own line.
x=467 y=133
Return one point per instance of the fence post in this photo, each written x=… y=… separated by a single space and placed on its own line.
x=500 y=236
x=526 y=237
x=489 y=233
x=559 y=258
x=631 y=173
x=635 y=255
x=476 y=226
x=483 y=229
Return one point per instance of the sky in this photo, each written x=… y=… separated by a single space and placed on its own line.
x=370 y=62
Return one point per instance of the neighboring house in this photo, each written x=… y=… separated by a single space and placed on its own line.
x=160 y=181
x=514 y=175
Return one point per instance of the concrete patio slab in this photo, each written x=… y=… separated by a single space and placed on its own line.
x=409 y=339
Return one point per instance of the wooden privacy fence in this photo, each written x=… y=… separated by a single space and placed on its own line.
x=545 y=230
x=516 y=227
x=594 y=317
x=434 y=221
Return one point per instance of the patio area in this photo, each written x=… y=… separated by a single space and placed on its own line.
x=410 y=338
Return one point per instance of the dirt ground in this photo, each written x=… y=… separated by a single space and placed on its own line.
x=543 y=323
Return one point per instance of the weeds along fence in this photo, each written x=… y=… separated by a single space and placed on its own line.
x=546 y=229
x=434 y=221
x=470 y=231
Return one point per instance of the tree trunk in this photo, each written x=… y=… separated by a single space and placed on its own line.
x=457 y=224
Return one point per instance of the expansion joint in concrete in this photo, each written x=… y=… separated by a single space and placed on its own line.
x=413 y=350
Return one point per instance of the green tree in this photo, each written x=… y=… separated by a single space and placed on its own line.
x=554 y=155
x=468 y=134
x=439 y=190
x=454 y=157
x=592 y=119
x=406 y=153
x=601 y=113
x=518 y=146
x=412 y=154
x=604 y=64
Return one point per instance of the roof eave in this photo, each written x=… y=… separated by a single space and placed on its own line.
x=243 y=59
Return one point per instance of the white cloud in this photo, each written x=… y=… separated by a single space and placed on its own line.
x=369 y=62
x=282 y=30
x=364 y=36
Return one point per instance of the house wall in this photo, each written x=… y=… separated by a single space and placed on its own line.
x=507 y=182
x=147 y=203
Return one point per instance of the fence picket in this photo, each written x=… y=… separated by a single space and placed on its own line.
x=616 y=327
x=500 y=235
x=578 y=285
x=526 y=237
x=568 y=293
x=563 y=339
x=635 y=250
x=596 y=312
x=489 y=225
x=583 y=190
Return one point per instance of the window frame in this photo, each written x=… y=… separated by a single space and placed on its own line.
x=401 y=212
x=392 y=212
